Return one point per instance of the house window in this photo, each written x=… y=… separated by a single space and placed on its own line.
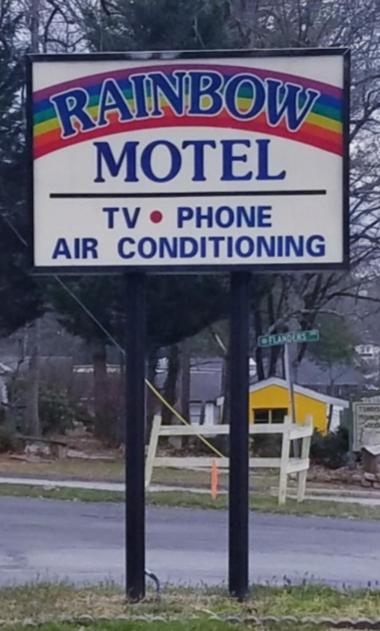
x=279 y=415
x=265 y=415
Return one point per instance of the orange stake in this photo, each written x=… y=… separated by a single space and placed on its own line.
x=214 y=480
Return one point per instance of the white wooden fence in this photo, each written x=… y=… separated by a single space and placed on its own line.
x=286 y=463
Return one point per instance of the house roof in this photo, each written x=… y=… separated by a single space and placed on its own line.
x=307 y=392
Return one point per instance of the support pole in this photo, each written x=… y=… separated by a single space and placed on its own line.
x=135 y=436
x=239 y=434
x=292 y=405
x=289 y=381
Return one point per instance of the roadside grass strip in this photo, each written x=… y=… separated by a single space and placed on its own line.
x=54 y=607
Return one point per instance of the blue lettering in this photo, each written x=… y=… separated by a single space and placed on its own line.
x=121 y=248
x=205 y=93
x=167 y=90
x=206 y=215
x=188 y=247
x=292 y=247
x=147 y=248
x=199 y=156
x=61 y=249
x=253 y=94
x=139 y=82
x=131 y=220
x=224 y=217
x=71 y=105
x=229 y=159
x=265 y=246
x=83 y=248
x=289 y=101
x=89 y=248
x=216 y=241
x=264 y=219
x=263 y=162
x=244 y=247
x=111 y=211
x=184 y=213
x=127 y=157
x=315 y=245
x=167 y=248
x=175 y=161
x=111 y=98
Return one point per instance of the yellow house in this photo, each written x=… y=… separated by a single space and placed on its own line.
x=269 y=402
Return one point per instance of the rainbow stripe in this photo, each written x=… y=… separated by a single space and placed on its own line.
x=323 y=127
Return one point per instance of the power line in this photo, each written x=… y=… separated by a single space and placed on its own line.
x=111 y=338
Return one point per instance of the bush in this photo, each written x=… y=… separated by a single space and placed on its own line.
x=56 y=411
x=330 y=450
x=7 y=440
x=58 y=407
x=263 y=446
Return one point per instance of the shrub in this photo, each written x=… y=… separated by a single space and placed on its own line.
x=330 y=450
x=7 y=440
x=264 y=446
x=55 y=410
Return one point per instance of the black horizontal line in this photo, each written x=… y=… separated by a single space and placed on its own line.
x=285 y=193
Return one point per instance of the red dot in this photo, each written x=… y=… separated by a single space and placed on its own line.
x=156 y=216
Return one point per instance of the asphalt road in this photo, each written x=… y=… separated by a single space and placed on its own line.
x=81 y=542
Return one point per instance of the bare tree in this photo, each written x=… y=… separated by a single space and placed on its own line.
x=320 y=23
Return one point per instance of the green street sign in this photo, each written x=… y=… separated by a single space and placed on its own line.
x=288 y=338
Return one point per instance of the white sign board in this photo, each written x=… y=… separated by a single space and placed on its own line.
x=186 y=160
x=366 y=425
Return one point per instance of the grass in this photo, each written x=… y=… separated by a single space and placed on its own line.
x=259 y=503
x=267 y=504
x=189 y=625
x=50 y=604
x=55 y=493
x=113 y=471
x=69 y=469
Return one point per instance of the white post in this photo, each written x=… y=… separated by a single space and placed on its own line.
x=305 y=453
x=152 y=449
x=284 y=460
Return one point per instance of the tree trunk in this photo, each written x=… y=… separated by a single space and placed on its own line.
x=185 y=380
x=226 y=390
x=102 y=412
x=151 y=401
x=32 y=419
x=259 y=353
x=121 y=404
x=170 y=386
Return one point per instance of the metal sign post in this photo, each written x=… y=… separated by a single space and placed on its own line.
x=239 y=433
x=135 y=436
x=289 y=381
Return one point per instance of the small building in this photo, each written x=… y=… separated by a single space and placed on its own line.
x=269 y=403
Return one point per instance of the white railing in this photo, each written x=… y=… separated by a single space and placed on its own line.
x=286 y=463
